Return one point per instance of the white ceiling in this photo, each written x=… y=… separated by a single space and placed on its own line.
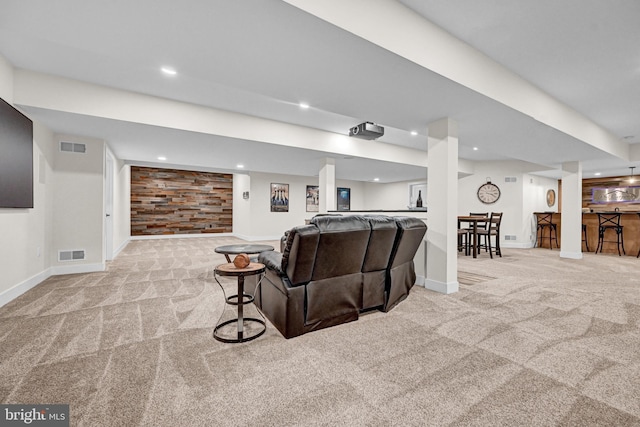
x=262 y=58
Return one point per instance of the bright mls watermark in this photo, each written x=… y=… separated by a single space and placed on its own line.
x=34 y=415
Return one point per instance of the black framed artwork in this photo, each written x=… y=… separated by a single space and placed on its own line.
x=279 y=197
x=344 y=199
x=313 y=202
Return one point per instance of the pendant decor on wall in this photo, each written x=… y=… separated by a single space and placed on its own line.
x=551 y=197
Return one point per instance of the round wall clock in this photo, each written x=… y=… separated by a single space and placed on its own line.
x=551 y=197
x=488 y=193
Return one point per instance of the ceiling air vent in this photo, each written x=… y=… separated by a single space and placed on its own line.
x=73 y=147
x=76 y=255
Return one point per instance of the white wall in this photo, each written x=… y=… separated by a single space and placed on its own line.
x=78 y=207
x=534 y=190
x=393 y=196
x=6 y=80
x=262 y=224
x=518 y=200
x=121 y=206
x=241 y=206
x=26 y=236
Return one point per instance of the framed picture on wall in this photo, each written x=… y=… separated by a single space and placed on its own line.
x=313 y=202
x=344 y=199
x=279 y=197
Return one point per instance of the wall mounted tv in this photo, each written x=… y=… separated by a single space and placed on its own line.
x=16 y=158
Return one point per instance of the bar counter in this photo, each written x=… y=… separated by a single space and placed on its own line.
x=631 y=232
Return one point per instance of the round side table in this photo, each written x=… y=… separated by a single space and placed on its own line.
x=239 y=249
x=239 y=300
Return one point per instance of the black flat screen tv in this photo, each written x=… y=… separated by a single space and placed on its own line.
x=16 y=158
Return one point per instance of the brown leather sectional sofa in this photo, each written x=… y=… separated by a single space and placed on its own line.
x=336 y=267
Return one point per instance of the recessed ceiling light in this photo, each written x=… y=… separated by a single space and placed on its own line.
x=162 y=158
x=414 y=133
x=376 y=179
x=304 y=105
x=169 y=71
x=475 y=148
x=597 y=174
x=240 y=166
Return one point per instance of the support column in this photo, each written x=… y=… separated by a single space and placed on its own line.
x=327 y=185
x=571 y=228
x=442 y=205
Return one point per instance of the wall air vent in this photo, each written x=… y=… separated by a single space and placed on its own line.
x=510 y=179
x=76 y=255
x=73 y=147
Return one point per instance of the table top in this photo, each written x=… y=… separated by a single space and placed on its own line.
x=472 y=218
x=243 y=249
x=231 y=270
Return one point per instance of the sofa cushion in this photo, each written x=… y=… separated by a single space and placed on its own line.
x=383 y=235
x=272 y=260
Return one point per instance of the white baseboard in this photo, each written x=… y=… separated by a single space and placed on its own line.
x=121 y=247
x=14 y=292
x=420 y=281
x=515 y=245
x=256 y=238
x=189 y=236
x=571 y=255
x=441 y=287
x=75 y=269
x=181 y=236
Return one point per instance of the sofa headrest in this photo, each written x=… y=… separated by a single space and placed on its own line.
x=331 y=223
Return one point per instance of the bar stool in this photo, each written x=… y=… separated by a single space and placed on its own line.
x=610 y=221
x=463 y=240
x=480 y=225
x=584 y=236
x=545 y=220
x=638 y=249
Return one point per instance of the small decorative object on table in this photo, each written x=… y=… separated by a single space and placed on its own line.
x=241 y=260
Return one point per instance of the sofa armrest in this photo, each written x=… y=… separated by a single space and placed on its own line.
x=272 y=260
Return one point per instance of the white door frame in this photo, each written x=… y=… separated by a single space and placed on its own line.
x=108 y=206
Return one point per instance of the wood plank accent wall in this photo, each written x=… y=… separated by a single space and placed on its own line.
x=616 y=181
x=171 y=201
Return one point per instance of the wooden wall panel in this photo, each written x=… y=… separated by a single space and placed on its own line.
x=610 y=182
x=170 y=201
x=589 y=184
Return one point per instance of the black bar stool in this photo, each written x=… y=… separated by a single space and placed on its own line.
x=463 y=240
x=638 y=249
x=545 y=220
x=584 y=236
x=610 y=221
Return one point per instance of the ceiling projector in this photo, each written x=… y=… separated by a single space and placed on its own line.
x=367 y=130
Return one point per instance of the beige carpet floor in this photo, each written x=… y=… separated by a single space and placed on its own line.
x=530 y=340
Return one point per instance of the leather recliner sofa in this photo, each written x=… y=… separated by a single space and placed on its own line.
x=336 y=267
